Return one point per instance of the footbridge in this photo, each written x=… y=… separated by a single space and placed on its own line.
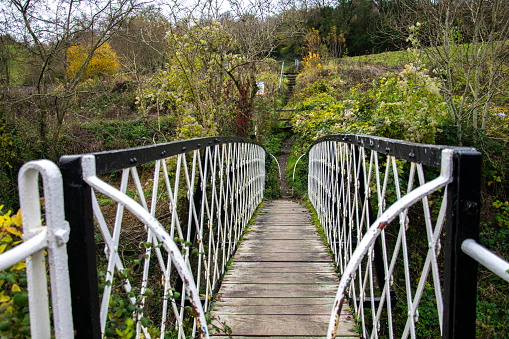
x=175 y=241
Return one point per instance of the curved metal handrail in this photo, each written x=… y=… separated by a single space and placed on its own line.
x=376 y=228
x=222 y=181
x=348 y=184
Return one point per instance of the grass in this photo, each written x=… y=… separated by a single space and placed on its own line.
x=397 y=58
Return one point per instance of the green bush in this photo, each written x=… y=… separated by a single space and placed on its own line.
x=407 y=106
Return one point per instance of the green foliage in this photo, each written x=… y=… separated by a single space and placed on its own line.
x=117 y=134
x=194 y=87
x=428 y=325
x=273 y=140
x=300 y=184
x=272 y=189
x=7 y=166
x=209 y=88
x=357 y=22
x=122 y=312
x=502 y=213
x=492 y=320
x=407 y=106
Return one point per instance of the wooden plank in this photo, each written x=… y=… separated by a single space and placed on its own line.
x=258 y=337
x=277 y=256
x=314 y=241
x=276 y=302
x=258 y=277
x=282 y=227
x=281 y=337
x=278 y=325
x=279 y=235
x=282 y=246
x=281 y=267
x=301 y=309
x=275 y=290
x=347 y=336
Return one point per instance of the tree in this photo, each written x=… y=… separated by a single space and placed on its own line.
x=218 y=55
x=335 y=43
x=465 y=43
x=48 y=29
x=141 y=42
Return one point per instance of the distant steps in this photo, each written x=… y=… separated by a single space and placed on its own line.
x=292 y=77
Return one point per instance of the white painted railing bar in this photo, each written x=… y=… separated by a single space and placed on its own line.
x=487 y=258
x=38 y=238
x=23 y=250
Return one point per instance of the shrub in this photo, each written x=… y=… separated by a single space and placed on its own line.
x=103 y=62
x=406 y=106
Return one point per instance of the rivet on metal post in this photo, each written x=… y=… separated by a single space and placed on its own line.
x=133 y=161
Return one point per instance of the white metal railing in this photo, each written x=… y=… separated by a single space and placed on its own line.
x=358 y=185
x=38 y=238
x=188 y=209
x=485 y=257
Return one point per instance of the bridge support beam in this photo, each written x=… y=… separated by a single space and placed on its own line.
x=81 y=250
x=460 y=285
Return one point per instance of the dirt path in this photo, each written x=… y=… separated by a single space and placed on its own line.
x=286 y=191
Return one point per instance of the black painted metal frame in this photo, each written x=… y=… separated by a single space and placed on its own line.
x=462 y=222
x=81 y=248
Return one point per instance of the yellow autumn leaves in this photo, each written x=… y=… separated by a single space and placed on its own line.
x=10 y=234
x=103 y=62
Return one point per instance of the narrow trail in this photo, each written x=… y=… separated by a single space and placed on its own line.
x=286 y=190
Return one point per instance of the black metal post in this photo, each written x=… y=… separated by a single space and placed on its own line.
x=460 y=285
x=81 y=250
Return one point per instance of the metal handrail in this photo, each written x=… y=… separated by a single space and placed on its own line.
x=219 y=179
x=487 y=258
x=348 y=183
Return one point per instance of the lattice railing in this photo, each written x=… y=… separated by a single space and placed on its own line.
x=395 y=215
x=166 y=219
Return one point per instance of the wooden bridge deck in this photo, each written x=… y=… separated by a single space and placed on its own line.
x=281 y=283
